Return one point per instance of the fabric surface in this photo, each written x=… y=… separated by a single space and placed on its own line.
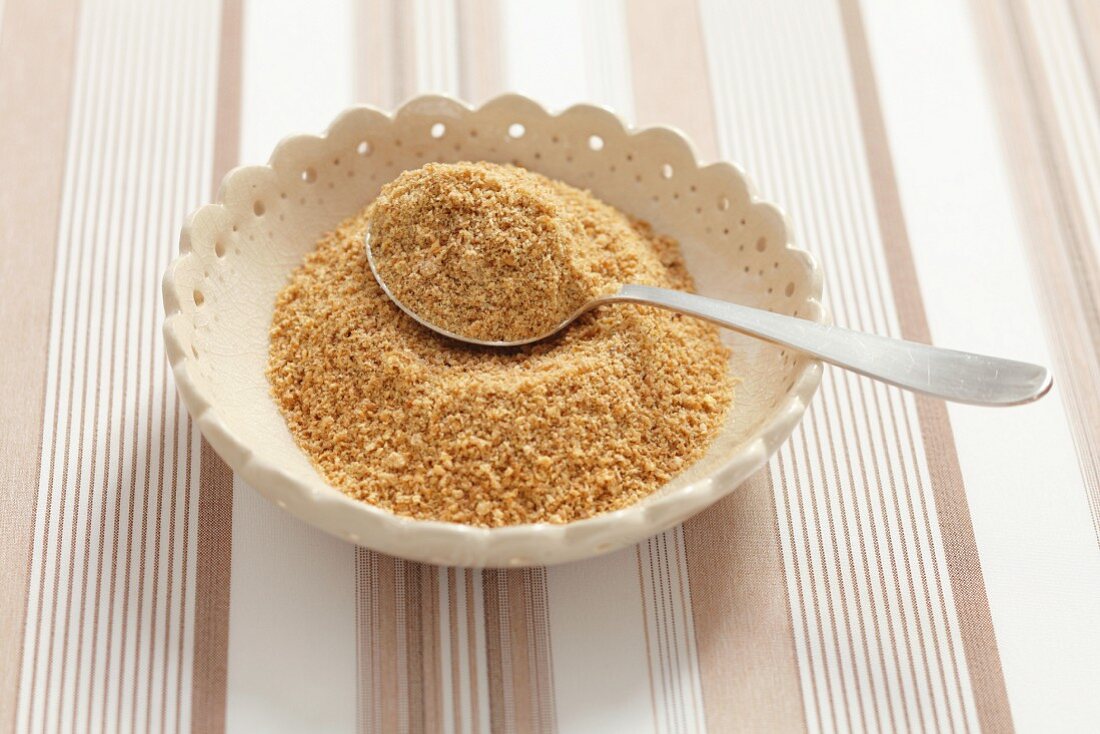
x=901 y=564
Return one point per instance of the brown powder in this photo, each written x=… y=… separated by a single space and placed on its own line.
x=491 y=252
x=589 y=421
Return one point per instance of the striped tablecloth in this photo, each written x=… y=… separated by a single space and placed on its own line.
x=901 y=565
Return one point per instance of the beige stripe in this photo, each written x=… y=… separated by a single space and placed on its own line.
x=37 y=46
x=825 y=211
x=381 y=676
x=898 y=441
x=741 y=609
x=417 y=645
x=419 y=648
x=143 y=531
x=543 y=657
x=212 y=577
x=518 y=650
x=666 y=49
x=384 y=653
x=668 y=625
x=1061 y=256
x=227 y=125
x=953 y=514
x=92 y=233
x=921 y=570
x=875 y=418
x=215 y=506
x=521 y=647
x=732 y=592
x=182 y=611
x=887 y=612
x=479 y=50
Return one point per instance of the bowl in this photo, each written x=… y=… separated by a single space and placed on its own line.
x=237 y=254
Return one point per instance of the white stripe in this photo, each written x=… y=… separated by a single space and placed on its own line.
x=599 y=687
x=466 y=700
x=298 y=66
x=541 y=36
x=292 y=598
x=291 y=617
x=447 y=717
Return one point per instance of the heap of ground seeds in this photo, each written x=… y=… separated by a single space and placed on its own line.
x=589 y=421
x=490 y=252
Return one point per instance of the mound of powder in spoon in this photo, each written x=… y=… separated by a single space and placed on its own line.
x=488 y=252
x=591 y=420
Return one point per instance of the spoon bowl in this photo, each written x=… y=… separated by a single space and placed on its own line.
x=427 y=323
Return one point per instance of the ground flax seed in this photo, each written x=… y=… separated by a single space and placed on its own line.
x=485 y=251
x=588 y=421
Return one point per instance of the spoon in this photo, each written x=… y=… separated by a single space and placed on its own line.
x=961 y=377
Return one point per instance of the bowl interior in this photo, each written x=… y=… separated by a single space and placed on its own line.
x=239 y=254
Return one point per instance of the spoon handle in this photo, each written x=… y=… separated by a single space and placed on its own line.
x=944 y=373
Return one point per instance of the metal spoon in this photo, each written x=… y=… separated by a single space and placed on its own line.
x=943 y=373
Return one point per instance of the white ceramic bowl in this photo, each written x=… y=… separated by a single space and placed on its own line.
x=236 y=254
